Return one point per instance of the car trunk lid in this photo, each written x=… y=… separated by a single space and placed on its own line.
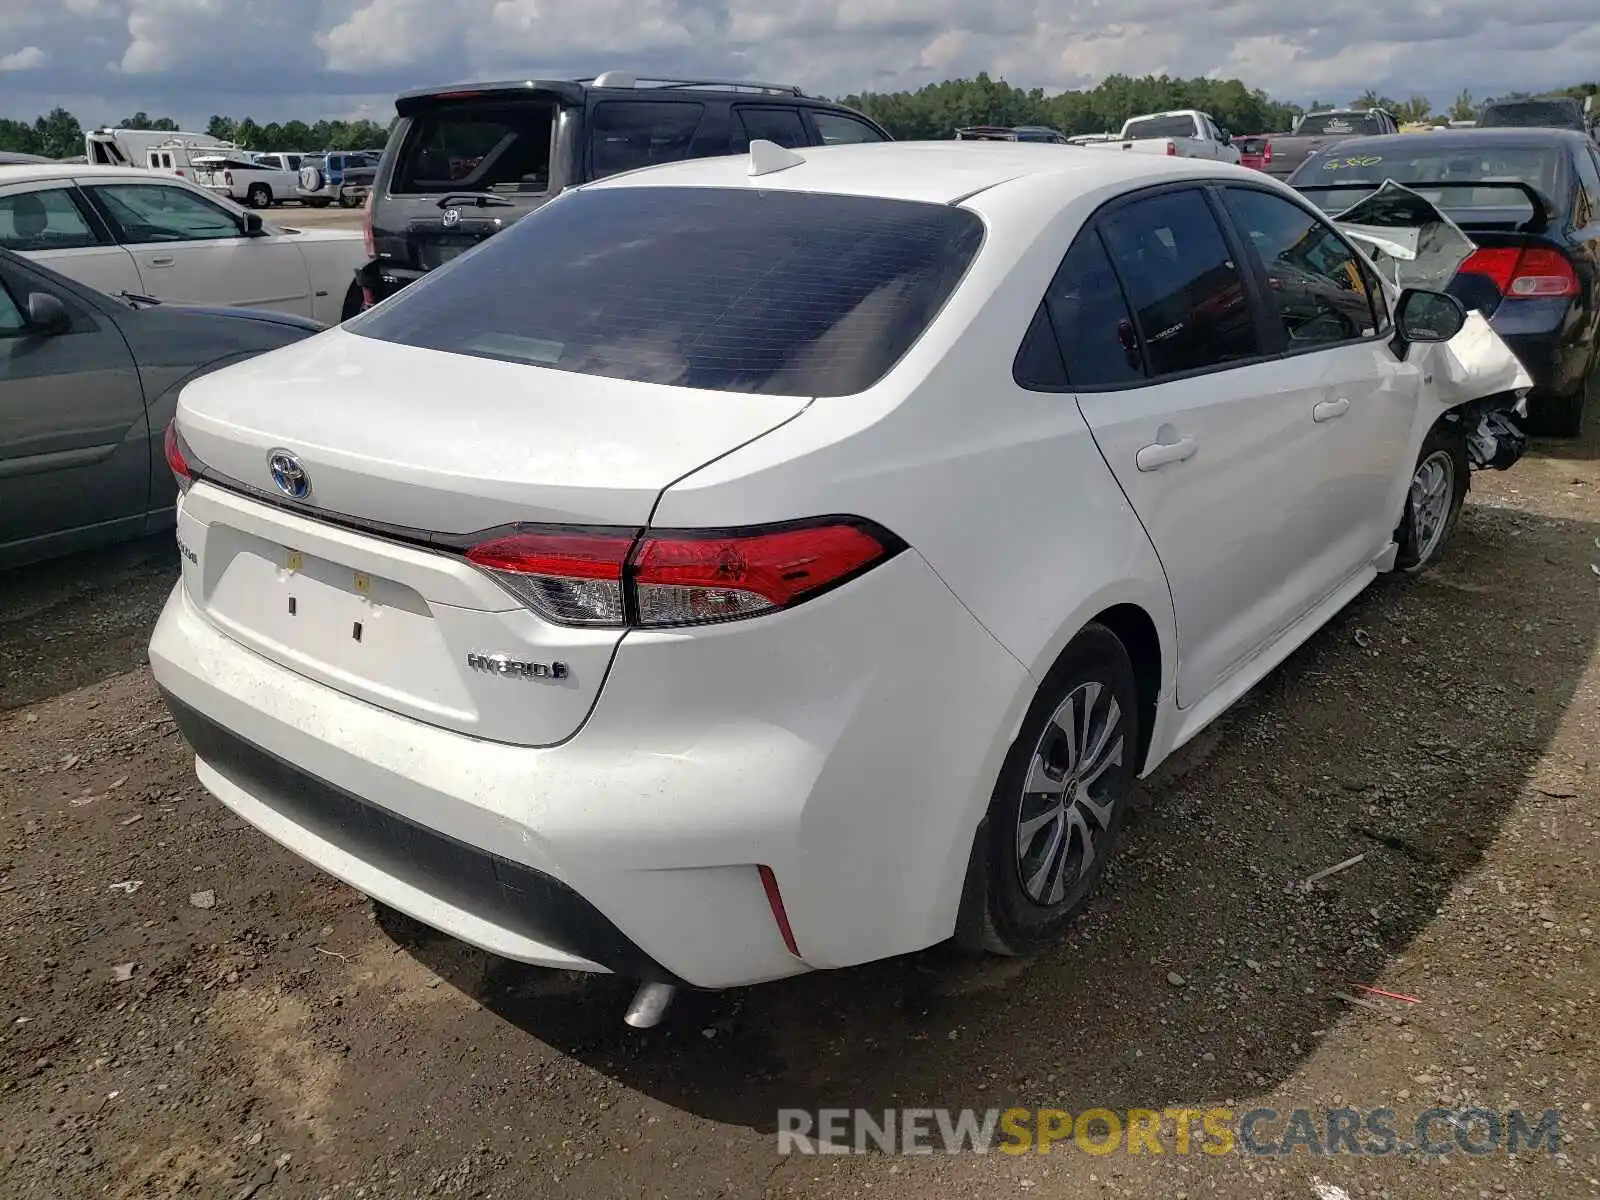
x=409 y=456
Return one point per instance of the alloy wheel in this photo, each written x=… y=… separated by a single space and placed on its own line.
x=1066 y=808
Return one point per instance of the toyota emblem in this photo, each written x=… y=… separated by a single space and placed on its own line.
x=451 y=218
x=288 y=476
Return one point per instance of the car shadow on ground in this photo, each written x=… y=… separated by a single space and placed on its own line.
x=70 y=622
x=1405 y=730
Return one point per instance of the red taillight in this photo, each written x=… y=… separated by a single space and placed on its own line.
x=573 y=577
x=176 y=460
x=689 y=579
x=769 y=883
x=1266 y=152
x=1534 y=272
x=366 y=229
x=1172 y=149
x=679 y=577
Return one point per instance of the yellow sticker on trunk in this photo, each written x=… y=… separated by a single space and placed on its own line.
x=293 y=561
x=363 y=583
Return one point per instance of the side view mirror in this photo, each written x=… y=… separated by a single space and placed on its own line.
x=1227 y=138
x=1424 y=316
x=47 y=315
x=253 y=225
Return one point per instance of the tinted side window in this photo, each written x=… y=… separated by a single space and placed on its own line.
x=835 y=129
x=641 y=133
x=780 y=125
x=1091 y=320
x=46 y=220
x=1187 y=294
x=1313 y=276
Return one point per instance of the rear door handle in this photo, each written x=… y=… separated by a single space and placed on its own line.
x=161 y=260
x=1329 y=409
x=1159 y=454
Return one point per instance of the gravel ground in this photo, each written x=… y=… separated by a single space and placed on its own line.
x=187 y=1010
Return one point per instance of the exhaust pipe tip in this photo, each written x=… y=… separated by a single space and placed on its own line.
x=649 y=1005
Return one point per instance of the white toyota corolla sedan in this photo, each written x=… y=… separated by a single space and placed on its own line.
x=756 y=565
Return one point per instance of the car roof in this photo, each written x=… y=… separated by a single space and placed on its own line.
x=31 y=172
x=942 y=172
x=1461 y=139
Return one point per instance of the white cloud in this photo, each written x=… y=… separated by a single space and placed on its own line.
x=29 y=58
x=280 y=58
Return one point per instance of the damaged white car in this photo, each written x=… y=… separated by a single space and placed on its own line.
x=810 y=584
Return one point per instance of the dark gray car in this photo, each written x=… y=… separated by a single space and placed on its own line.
x=88 y=383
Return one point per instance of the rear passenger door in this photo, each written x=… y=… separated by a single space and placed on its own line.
x=1167 y=346
x=628 y=134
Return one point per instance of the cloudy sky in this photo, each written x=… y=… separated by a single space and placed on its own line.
x=276 y=59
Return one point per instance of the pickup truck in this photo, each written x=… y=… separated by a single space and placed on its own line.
x=1315 y=130
x=1184 y=133
x=243 y=179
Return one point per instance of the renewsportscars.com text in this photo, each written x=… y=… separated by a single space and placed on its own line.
x=1181 y=1131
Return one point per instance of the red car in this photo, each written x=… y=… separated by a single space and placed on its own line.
x=1255 y=150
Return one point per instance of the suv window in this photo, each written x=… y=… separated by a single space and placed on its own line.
x=641 y=133
x=481 y=148
x=780 y=125
x=1314 y=278
x=1087 y=318
x=782 y=293
x=1187 y=294
x=152 y=212
x=836 y=129
x=44 y=220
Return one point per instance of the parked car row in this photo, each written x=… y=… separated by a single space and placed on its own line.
x=727 y=513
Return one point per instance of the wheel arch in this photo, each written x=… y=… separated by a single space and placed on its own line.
x=1137 y=632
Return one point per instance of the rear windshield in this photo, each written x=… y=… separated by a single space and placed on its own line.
x=734 y=290
x=1159 y=127
x=501 y=148
x=1339 y=125
x=1457 y=165
x=1533 y=114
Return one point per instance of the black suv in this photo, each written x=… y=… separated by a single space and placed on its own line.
x=464 y=162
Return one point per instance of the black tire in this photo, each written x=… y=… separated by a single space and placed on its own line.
x=346 y=200
x=1024 y=888
x=259 y=196
x=1569 y=422
x=353 y=301
x=1422 y=542
x=317 y=201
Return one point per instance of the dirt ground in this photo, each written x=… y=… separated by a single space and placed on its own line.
x=275 y=1037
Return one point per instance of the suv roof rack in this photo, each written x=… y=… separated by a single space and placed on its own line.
x=627 y=79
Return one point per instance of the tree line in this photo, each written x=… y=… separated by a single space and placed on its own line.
x=934 y=111
x=59 y=134
x=937 y=110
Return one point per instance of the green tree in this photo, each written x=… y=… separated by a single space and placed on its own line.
x=58 y=134
x=222 y=128
x=1464 y=108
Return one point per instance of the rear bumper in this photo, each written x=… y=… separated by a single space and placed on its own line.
x=1543 y=337
x=827 y=744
